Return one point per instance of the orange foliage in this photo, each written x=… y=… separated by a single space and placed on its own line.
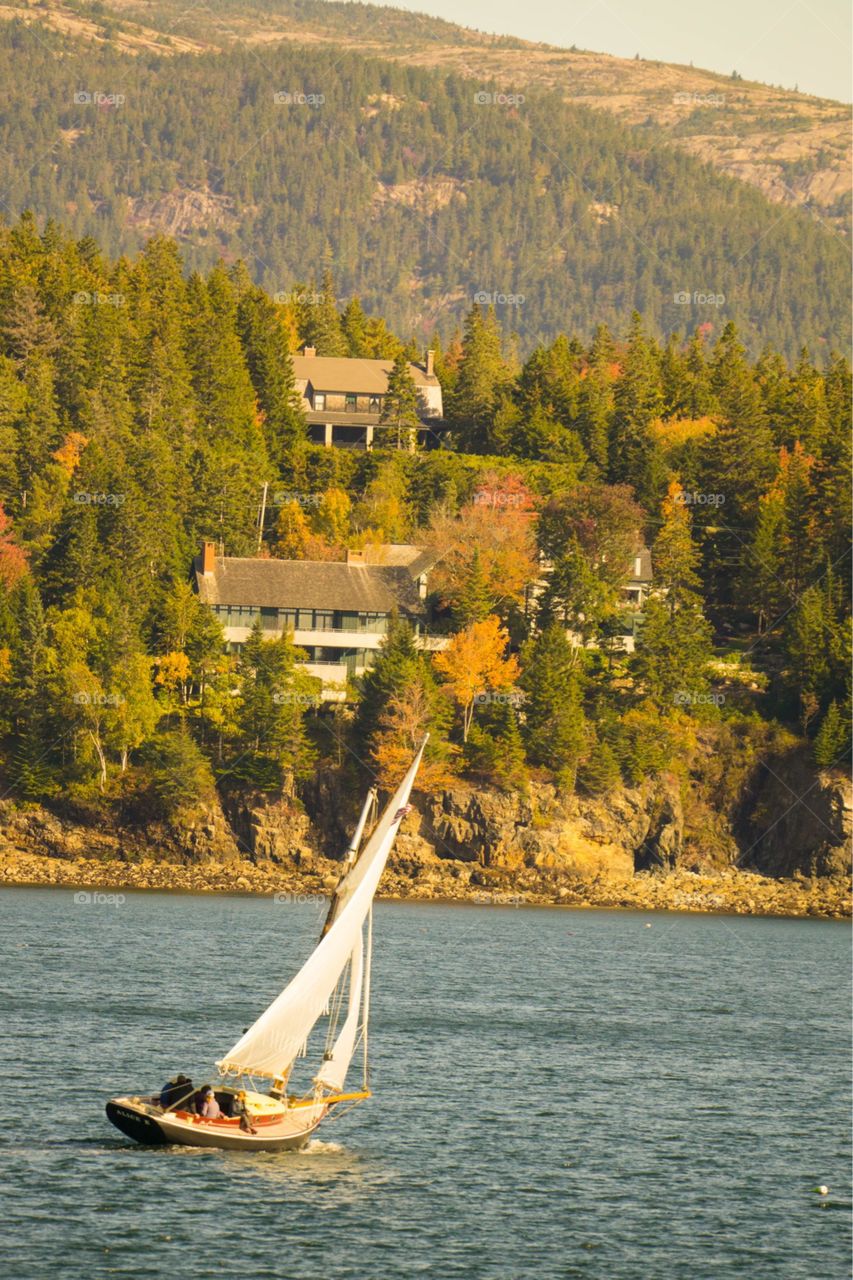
x=474 y=664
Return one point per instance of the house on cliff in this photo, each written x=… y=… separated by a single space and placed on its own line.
x=337 y=611
x=342 y=399
x=635 y=591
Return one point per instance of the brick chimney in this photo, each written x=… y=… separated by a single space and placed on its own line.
x=430 y=364
x=356 y=555
x=208 y=557
x=309 y=351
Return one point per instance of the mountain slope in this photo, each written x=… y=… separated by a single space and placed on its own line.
x=424 y=196
x=792 y=146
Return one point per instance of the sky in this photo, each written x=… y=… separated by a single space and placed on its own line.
x=786 y=42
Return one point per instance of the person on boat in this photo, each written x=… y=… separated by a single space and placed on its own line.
x=210 y=1107
x=241 y=1109
x=175 y=1092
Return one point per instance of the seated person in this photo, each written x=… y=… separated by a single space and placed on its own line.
x=210 y=1107
x=176 y=1093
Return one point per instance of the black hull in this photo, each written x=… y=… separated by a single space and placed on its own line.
x=139 y=1127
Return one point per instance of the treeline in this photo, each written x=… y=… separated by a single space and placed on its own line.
x=142 y=411
x=427 y=193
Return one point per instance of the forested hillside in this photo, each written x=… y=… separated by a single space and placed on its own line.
x=792 y=146
x=423 y=194
x=141 y=411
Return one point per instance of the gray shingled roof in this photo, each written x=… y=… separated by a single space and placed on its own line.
x=346 y=373
x=645 y=557
x=309 y=584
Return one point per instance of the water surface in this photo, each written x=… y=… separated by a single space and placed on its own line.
x=558 y=1094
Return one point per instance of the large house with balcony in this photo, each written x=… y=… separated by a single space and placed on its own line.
x=636 y=589
x=342 y=399
x=337 y=611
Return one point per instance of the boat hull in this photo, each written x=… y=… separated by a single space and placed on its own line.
x=150 y=1125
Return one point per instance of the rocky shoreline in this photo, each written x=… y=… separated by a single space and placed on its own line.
x=728 y=892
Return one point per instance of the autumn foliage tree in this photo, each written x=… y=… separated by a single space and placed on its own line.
x=475 y=664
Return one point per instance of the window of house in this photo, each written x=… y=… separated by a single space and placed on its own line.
x=287 y=619
x=305 y=619
x=324 y=620
x=269 y=619
x=374 y=404
x=350 y=402
x=319 y=399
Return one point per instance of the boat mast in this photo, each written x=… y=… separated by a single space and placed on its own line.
x=365 y=999
x=350 y=857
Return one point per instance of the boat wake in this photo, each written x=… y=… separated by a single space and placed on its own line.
x=317 y=1147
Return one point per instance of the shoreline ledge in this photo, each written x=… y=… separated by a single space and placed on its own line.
x=727 y=892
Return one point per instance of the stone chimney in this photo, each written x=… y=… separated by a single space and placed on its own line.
x=208 y=557
x=356 y=555
x=309 y=351
x=430 y=364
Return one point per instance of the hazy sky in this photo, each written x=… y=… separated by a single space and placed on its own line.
x=777 y=41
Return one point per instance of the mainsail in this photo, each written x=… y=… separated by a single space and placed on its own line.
x=271 y=1044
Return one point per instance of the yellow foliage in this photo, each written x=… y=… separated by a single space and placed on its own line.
x=172 y=669
x=679 y=431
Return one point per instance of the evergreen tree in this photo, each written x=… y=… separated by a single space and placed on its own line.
x=400 y=405
x=555 y=729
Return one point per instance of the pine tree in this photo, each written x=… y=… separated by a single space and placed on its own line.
x=400 y=405
x=638 y=403
x=555 y=729
x=832 y=743
x=481 y=380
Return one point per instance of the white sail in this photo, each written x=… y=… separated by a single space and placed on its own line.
x=334 y=1070
x=270 y=1045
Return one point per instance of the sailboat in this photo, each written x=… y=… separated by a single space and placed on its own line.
x=334 y=983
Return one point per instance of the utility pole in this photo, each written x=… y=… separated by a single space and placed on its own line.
x=262 y=516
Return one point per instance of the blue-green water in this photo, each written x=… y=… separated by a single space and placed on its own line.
x=558 y=1094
